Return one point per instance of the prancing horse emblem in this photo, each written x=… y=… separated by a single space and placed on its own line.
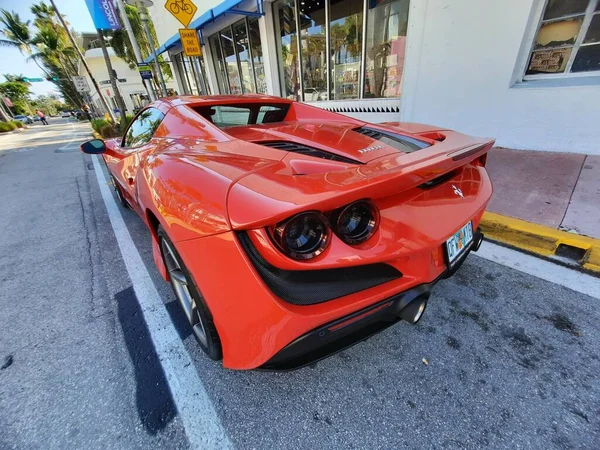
x=458 y=192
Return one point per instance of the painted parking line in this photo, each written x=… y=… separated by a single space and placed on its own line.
x=540 y=268
x=200 y=420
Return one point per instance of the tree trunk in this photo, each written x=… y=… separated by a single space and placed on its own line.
x=113 y=81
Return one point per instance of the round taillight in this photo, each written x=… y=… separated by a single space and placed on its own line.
x=303 y=236
x=357 y=222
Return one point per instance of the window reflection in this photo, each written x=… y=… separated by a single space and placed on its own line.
x=285 y=25
x=314 y=50
x=346 y=46
x=243 y=49
x=215 y=49
x=387 y=22
x=257 y=56
x=235 y=86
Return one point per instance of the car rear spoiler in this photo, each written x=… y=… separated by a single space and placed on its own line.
x=274 y=193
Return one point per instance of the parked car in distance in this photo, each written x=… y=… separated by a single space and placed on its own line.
x=65 y=114
x=35 y=118
x=24 y=119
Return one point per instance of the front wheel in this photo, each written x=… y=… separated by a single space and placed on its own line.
x=191 y=300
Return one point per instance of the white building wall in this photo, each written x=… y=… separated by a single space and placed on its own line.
x=464 y=60
x=133 y=85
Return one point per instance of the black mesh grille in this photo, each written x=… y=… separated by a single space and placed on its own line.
x=309 y=287
x=405 y=144
x=293 y=147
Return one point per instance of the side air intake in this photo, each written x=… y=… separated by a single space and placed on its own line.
x=294 y=147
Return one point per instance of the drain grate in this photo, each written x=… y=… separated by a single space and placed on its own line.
x=570 y=252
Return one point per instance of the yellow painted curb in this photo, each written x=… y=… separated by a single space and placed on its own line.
x=539 y=239
x=97 y=135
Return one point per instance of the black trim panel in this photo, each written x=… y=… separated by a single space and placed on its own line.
x=309 y=287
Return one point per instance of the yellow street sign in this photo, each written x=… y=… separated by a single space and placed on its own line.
x=190 y=42
x=183 y=10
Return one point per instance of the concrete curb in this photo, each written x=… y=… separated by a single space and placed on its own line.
x=544 y=241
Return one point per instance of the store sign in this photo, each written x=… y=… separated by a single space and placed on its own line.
x=103 y=14
x=81 y=84
x=190 y=42
x=182 y=10
x=145 y=71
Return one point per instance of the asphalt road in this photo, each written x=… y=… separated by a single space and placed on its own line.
x=512 y=360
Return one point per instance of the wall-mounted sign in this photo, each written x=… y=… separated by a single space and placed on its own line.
x=145 y=71
x=103 y=14
x=190 y=42
x=182 y=10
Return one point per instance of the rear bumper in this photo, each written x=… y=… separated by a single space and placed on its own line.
x=349 y=330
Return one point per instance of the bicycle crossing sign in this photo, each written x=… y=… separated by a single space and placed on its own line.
x=182 y=10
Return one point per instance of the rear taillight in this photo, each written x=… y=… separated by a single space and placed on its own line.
x=303 y=236
x=357 y=222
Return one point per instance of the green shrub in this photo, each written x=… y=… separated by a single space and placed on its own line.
x=99 y=123
x=108 y=130
x=18 y=123
x=7 y=126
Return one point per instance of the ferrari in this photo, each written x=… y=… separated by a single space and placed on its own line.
x=289 y=232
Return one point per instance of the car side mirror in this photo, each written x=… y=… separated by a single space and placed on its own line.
x=93 y=147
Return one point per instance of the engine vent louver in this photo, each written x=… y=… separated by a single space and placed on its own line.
x=294 y=147
x=400 y=142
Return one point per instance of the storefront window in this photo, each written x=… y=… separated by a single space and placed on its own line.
x=285 y=25
x=215 y=49
x=346 y=45
x=387 y=22
x=314 y=50
x=257 y=56
x=235 y=86
x=243 y=49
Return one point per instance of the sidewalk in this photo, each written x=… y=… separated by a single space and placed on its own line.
x=556 y=194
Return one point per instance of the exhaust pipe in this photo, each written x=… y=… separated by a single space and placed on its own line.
x=413 y=312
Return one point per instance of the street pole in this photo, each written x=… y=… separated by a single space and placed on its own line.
x=134 y=44
x=85 y=64
x=144 y=19
x=113 y=79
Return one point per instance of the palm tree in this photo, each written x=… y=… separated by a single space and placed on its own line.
x=16 y=33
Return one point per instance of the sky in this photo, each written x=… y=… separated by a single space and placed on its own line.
x=12 y=61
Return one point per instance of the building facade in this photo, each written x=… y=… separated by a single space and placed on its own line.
x=524 y=71
x=129 y=83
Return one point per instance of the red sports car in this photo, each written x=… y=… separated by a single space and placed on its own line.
x=289 y=232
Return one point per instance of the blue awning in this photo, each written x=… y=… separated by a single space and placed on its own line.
x=228 y=6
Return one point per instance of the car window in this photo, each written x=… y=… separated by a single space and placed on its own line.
x=142 y=128
x=235 y=115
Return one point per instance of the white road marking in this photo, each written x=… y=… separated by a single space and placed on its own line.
x=200 y=420
x=546 y=270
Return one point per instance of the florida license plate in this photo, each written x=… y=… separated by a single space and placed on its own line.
x=459 y=242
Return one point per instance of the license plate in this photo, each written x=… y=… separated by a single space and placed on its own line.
x=459 y=242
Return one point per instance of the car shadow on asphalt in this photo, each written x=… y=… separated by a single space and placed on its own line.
x=154 y=402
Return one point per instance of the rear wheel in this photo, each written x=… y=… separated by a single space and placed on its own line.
x=190 y=299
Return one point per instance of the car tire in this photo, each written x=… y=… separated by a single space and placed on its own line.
x=190 y=299
x=119 y=193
